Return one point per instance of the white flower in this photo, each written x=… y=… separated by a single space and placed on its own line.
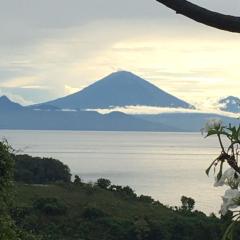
x=230 y=177
x=211 y=124
x=229 y=200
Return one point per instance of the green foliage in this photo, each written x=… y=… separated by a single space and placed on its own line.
x=103 y=183
x=6 y=175
x=229 y=155
x=77 y=180
x=92 y=213
x=124 y=191
x=50 y=206
x=115 y=188
x=129 y=192
x=35 y=170
x=142 y=229
x=106 y=214
x=146 y=199
x=74 y=211
x=8 y=229
x=187 y=203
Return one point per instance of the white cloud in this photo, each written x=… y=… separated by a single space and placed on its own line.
x=16 y=98
x=158 y=110
x=83 y=41
x=70 y=90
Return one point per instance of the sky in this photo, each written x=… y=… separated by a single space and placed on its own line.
x=52 y=48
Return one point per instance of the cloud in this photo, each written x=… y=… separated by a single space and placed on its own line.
x=29 y=95
x=20 y=81
x=158 y=110
x=52 y=48
x=16 y=98
x=71 y=90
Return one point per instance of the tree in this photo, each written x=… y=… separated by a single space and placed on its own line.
x=103 y=183
x=203 y=15
x=6 y=177
x=187 y=203
x=8 y=228
x=129 y=192
x=36 y=170
x=77 y=180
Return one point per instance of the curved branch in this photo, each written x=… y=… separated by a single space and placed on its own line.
x=202 y=15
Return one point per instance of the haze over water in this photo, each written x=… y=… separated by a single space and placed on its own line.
x=162 y=165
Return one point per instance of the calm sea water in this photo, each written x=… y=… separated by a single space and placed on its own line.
x=162 y=165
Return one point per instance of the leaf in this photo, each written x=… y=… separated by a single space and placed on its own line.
x=212 y=132
x=229 y=232
x=209 y=168
x=220 y=171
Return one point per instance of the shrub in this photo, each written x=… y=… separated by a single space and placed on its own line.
x=50 y=206
x=103 y=183
x=92 y=213
x=146 y=199
x=187 y=203
x=77 y=180
x=35 y=170
x=115 y=188
x=129 y=192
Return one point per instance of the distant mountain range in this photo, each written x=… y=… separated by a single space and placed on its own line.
x=230 y=104
x=15 y=116
x=119 y=89
x=187 y=122
x=8 y=105
x=28 y=119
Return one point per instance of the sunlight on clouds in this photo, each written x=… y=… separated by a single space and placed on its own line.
x=186 y=64
x=70 y=90
x=178 y=62
x=15 y=98
x=20 y=81
x=34 y=87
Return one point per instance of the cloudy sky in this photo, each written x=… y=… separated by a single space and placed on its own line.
x=51 y=48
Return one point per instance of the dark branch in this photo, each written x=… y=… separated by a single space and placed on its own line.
x=233 y=164
x=203 y=15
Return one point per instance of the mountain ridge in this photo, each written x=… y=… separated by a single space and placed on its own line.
x=77 y=121
x=25 y=118
x=119 y=89
x=230 y=104
x=7 y=104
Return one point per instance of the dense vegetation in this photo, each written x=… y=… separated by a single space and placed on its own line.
x=86 y=211
x=8 y=228
x=65 y=210
x=6 y=166
x=36 y=170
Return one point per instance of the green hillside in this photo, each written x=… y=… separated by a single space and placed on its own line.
x=85 y=211
x=39 y=201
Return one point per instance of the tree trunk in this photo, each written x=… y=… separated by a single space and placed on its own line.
x=202 y=15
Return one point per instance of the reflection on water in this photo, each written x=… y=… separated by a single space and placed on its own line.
x=163 y=165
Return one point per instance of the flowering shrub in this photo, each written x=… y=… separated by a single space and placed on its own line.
x=231 y=176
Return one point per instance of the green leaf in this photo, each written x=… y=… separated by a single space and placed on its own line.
x=220 y=171
x=209 y=168
x=228 y=235
x=212 y=132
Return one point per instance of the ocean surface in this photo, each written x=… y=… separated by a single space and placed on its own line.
x=162 y=165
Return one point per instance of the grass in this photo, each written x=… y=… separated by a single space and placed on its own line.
x=80 y=197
